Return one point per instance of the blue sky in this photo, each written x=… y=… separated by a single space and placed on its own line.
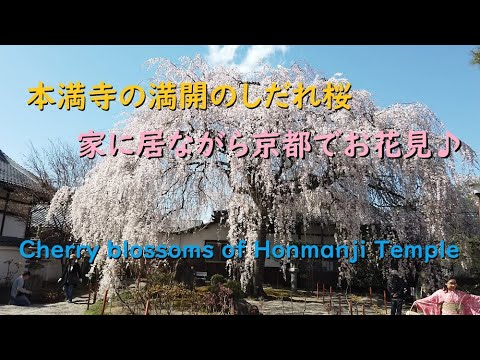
x=439 y=76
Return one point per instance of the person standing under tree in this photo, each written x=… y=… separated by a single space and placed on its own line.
x=397 y=289
x=71 y=277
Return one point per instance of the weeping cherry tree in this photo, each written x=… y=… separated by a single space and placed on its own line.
x=140 y=199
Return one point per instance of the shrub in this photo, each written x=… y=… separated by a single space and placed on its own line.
x=218 y=299
x=217 y=279
x=161 y=278
x=236 y=289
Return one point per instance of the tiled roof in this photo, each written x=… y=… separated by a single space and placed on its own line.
x=218 y=217
x=13 y=174
x=39 y=215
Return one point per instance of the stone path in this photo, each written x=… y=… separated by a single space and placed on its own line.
x=78 y=307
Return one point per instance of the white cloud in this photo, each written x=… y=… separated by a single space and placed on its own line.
x=222 y=55
x=256 y=54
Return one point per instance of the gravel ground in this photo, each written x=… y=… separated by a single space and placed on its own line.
x=312 y=306
x=78 y=307
x=296 y=306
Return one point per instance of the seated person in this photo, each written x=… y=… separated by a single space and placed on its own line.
x=18 y=292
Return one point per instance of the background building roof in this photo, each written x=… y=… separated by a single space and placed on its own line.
x=13 y=174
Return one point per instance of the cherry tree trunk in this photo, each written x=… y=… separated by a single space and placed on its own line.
x=259 y=269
